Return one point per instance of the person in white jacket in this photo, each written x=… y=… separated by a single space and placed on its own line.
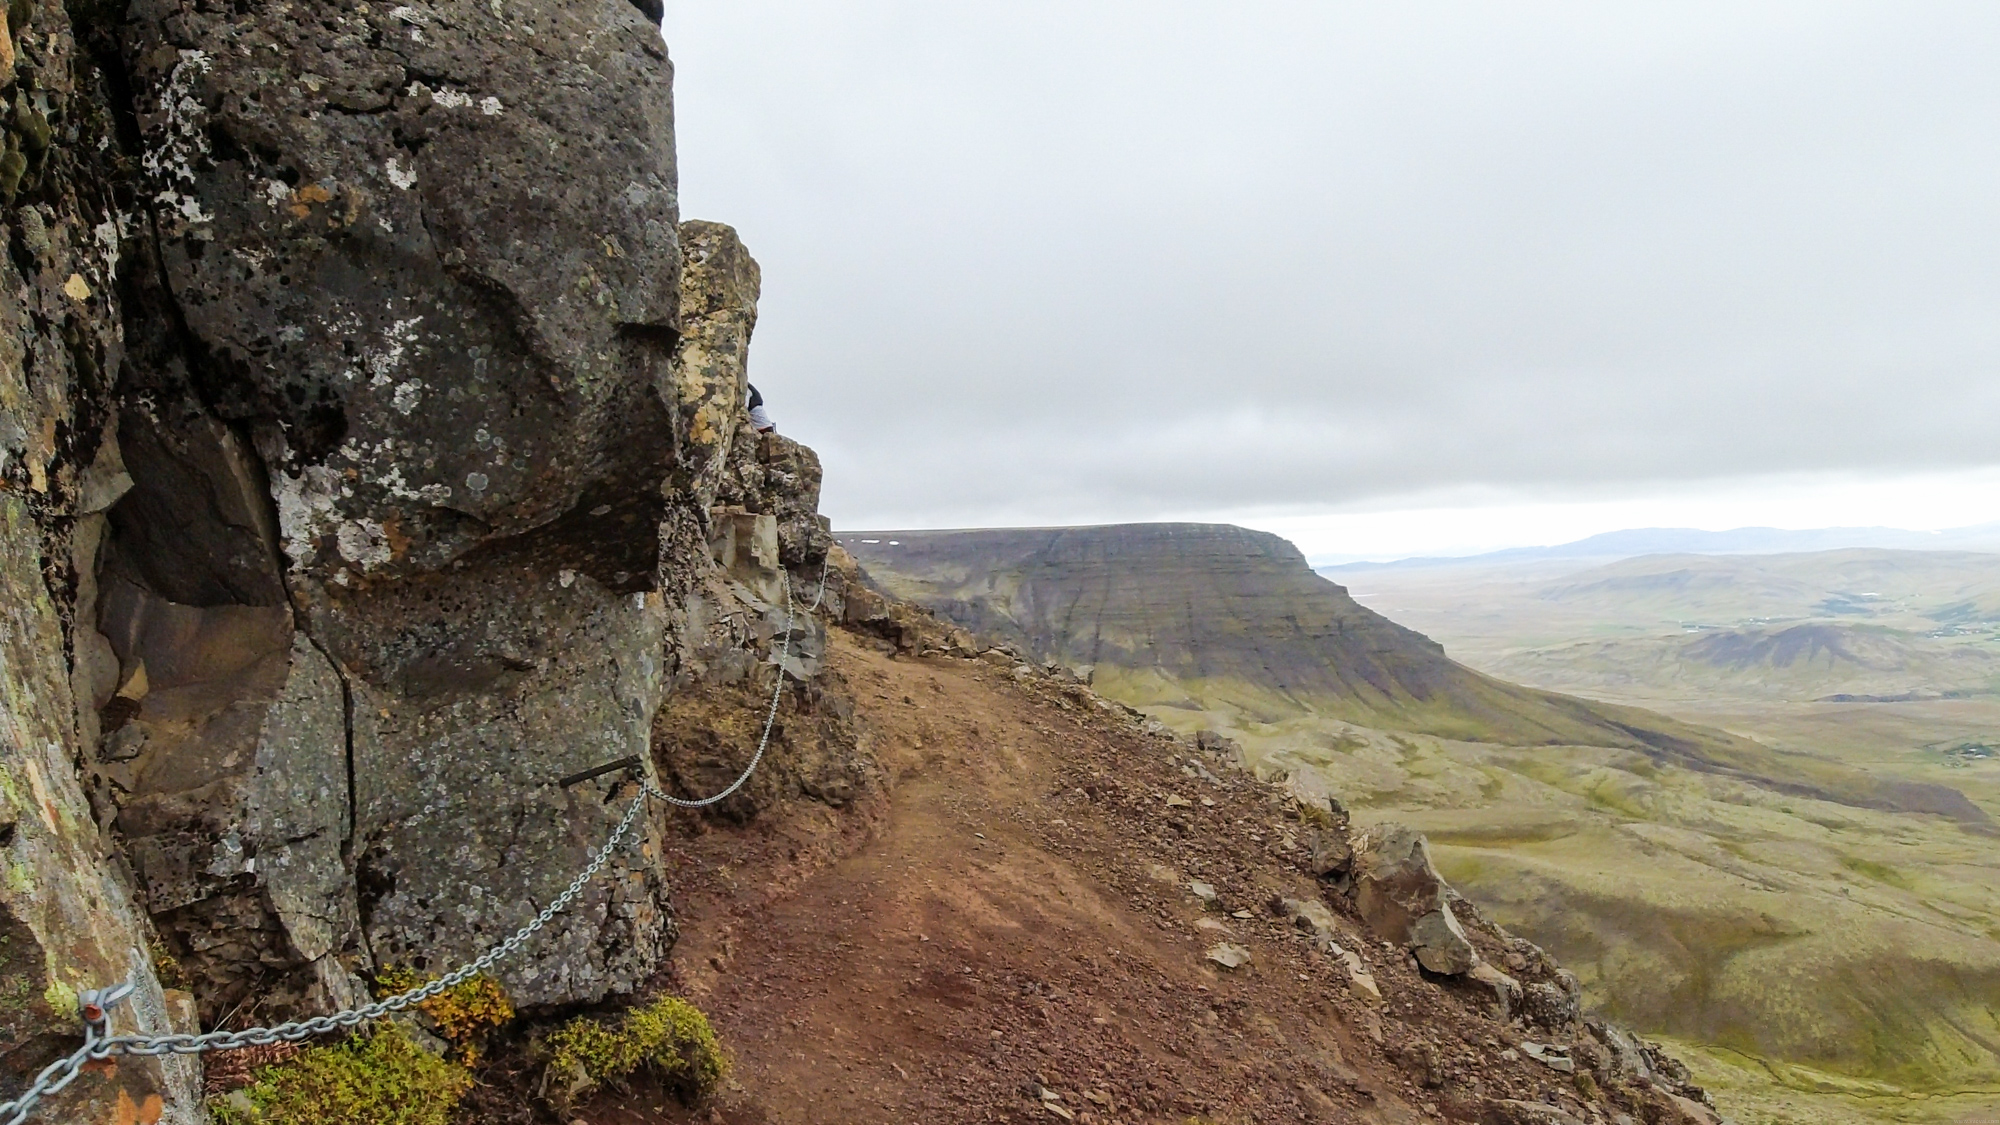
x=760 y=418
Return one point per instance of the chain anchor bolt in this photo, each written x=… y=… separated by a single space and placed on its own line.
x=95 y=1005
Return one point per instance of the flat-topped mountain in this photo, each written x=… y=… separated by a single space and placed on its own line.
x=1207 y=614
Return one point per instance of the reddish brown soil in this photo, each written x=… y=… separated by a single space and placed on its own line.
x=996 y=920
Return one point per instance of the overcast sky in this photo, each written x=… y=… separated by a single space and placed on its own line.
x=1382 y=274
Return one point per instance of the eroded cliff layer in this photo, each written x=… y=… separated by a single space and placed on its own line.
x=1207 y=614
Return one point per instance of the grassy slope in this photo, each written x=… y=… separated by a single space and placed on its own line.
x=1850 y=955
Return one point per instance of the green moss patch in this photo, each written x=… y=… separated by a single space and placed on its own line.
x=1880 y=872
x=669 y=1038
x=463 y=1014
x=378 y=1079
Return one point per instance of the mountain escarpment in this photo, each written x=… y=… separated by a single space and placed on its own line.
x=1234 y=624
x=1212 y=616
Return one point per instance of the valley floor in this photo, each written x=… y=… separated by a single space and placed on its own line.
x=1821 y=952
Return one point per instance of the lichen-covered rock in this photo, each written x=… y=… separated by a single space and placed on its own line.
x=393 y=573
x=773 y=475
x=430 y=254
x=358 y=484
x=461 y=828
x=68 y=921
x=68 y=917
x=1404 y=900
x=720 y=282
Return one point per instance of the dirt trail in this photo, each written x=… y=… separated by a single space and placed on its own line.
x=1013 y=912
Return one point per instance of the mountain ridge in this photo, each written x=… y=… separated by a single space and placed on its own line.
x=1631 y=542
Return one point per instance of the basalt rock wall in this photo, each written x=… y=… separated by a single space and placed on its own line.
x=69 y=917
x=373 y=459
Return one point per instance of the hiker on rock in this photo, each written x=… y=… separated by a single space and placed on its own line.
x=760 y=417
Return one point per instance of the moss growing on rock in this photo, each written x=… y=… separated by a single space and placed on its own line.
x=378 y=1079
x=670 y=1038
x=463 y=1014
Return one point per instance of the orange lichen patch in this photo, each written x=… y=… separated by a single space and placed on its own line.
x=43 y=800
x=462 y=1014
x=39 y=455
x=305 y=197
x=129 y=1112
x=392 y=532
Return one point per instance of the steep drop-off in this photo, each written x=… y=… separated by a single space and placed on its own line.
x=1679 y=869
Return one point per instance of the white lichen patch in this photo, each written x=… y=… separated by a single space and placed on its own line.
x=182 y=140
x=393 y=482
x=407 y=396
x=447 y=98
x=110 y=235
x=364 y=543
x=397 y=339
x=306 y=509
x=403 y=178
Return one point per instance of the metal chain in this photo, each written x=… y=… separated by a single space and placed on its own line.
x=95 y=1006
x=771 y=715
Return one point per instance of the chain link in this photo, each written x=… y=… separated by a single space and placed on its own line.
x=771 y=715
x=96 y=1005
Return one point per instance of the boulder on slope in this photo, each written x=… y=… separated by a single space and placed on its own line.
x=1404 y=899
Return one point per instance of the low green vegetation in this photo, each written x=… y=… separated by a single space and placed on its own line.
x=1880 y=872
x=383 y=1078
x=463 y=1014
x=669 y=1038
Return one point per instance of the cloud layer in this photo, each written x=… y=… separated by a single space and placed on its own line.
x=1037 y=262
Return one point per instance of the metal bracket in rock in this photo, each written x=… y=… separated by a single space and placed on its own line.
x=95 y=1006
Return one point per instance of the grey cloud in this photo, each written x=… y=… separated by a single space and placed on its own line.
x=1041 y=262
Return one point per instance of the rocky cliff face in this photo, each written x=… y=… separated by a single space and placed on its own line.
x=417 y=412
x=69 y=919
x=373 y=459
x=1203 y=613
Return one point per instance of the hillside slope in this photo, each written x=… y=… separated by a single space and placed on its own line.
x=1012 y=910
x=1235 y=625
x=1679 y=869
x=1908 y=589
x=1803 y=662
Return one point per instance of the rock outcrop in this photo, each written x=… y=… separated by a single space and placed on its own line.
x=1405 y=900
x=409 y=419
x=357 y=490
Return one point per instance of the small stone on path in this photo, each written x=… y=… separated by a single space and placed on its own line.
x=1228 y=955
